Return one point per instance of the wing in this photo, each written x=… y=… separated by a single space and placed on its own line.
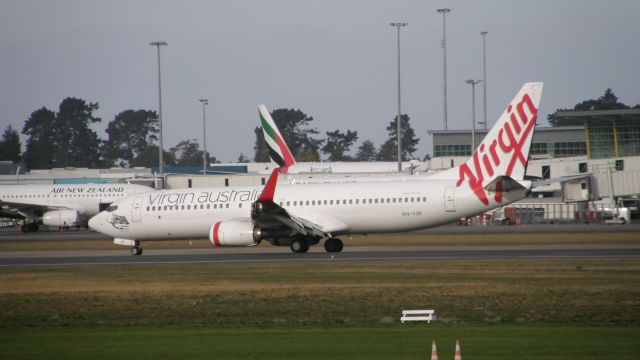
x=19 y=209
x=270 y=216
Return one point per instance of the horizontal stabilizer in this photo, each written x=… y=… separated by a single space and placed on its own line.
x=504 y=184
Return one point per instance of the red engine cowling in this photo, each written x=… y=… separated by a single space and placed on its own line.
x=234 y=233
x=62 y=218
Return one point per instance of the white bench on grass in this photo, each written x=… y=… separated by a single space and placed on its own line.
x=418 y=315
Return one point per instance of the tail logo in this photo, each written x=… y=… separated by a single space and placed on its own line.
x=507 y=144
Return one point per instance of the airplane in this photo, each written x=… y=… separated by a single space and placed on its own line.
x=281 y=155
x=301 y=215
x=61 y=205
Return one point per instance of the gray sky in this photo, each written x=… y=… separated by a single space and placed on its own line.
x=334 y=60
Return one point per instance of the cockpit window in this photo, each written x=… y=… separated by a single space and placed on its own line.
x=112 y=208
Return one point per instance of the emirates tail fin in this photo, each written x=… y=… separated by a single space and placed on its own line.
x=278 y=150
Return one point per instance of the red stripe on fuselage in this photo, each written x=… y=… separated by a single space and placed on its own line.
x=216 y=239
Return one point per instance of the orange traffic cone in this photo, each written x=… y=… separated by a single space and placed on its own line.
x=434 y=351
x=458 y=355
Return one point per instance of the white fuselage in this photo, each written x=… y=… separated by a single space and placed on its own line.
x=86 y=199
x=351 y=208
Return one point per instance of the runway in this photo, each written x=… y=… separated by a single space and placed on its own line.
x=213 y=256
x=9 y=235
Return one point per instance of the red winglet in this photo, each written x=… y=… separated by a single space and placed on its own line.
x=269 y=189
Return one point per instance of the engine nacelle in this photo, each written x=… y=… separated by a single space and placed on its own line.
x=234 y=233
x=62 y=218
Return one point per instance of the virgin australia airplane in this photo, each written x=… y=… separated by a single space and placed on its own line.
x=61 y=205
x=301 y=215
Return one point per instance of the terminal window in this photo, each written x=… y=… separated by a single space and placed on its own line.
x=575 y=148
x=539 y=148
x=628 y=140
x=452 y=150
x=546 y=172
x=601 y=142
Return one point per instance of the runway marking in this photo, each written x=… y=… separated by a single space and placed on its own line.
x=222 y=261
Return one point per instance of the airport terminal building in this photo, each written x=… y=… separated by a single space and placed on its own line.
x=603 y=146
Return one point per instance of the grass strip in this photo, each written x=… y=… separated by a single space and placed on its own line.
x=557 y=291
x=321 y=342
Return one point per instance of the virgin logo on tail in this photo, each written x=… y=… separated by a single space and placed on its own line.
x=504 y=150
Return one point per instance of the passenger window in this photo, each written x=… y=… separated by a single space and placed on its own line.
x=227 y=206
x=240 y=204
x=357 y=201
x=330 y=201
x=287 y=201
x=424 y=199
x=312 y=202
x=376 y=200
x=325 y=202
x=153 y=208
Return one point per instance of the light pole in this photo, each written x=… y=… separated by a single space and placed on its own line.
x=204 y=102
x=157 y=44
x=484 y=76
x=473 y=84
x=444 y=60
x=398 y=26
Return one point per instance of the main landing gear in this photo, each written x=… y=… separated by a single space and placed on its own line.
x=333 y=245
x=29 y=227
x=136 y=251
x=301 y=245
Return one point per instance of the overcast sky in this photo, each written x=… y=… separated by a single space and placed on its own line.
x=334 y=60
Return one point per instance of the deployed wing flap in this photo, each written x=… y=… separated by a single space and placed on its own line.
x=269 y=215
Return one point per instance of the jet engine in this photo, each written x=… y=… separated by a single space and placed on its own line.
x=62 y=218
x=234 y=233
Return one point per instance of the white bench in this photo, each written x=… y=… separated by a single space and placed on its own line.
x=418 y=315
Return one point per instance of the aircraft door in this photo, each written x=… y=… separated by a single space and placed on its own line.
x=449 y=199
x=136 y=209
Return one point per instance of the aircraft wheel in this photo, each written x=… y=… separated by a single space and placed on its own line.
x=30 y=227
x=299 y=246
x=136 y=251
x=333 y=245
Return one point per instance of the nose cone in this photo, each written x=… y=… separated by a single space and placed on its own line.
x=97 y=222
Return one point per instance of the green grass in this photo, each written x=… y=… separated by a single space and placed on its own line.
x=320 y=342
x=499 y=309
x=578 y=292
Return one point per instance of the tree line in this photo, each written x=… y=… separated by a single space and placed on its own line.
x=296 y=129
x=65 y=139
